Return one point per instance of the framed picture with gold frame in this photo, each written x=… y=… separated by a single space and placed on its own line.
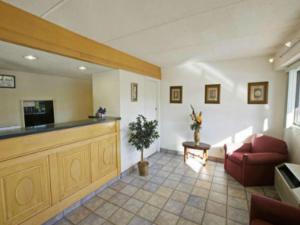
x=258 y=92
x=212 y=93
x=134 y=92
x=176 y=94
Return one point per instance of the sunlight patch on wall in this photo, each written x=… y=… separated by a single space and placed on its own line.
x=216 y=73
x=266 y=124
x=290 y=114
x=290 y=119
x=179 y=141
x=227 y=140
x=241 y=92
x=233 y=147
x=243 y=135
x=190 y=65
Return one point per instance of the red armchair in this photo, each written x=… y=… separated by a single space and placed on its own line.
x=253 y=163
x=267 y=211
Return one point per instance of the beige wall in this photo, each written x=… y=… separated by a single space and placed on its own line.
x=72 y=97
x=106 y=92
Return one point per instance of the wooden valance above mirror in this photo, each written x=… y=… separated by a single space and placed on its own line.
x=20 y=27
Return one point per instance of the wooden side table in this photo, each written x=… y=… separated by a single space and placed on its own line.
x=202 y=146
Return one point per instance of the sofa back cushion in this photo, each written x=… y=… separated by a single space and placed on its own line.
x=266 y=143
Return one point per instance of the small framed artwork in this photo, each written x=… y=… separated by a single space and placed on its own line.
x=134 y=92
x=176 y=94
x=258 y=93
x=212 y=93
x=7 y=81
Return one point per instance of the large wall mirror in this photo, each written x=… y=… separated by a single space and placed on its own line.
x=38 y=87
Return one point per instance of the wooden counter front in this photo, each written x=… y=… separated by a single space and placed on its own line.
x=42 y=174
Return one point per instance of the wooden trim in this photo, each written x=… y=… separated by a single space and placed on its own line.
x=24 y=145
x=118 y=147
x=266 y=90
x=218 y=86
x=23 y=28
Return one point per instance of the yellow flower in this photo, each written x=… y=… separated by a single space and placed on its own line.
x=199 y=118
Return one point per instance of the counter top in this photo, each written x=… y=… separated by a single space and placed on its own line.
x=52 y=127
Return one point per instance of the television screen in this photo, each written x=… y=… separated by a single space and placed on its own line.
x=38 y=113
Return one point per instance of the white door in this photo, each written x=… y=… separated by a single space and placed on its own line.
x=151 y=107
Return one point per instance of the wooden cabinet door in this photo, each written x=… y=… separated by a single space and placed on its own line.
x=104 y=157
x=73 y=169
x=24 y=190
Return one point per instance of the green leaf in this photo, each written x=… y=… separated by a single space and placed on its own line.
x=143 y=132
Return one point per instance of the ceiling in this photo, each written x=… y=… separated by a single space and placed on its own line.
x=12 y=58
x=166 y=32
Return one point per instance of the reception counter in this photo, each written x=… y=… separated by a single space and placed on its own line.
x=43 y=170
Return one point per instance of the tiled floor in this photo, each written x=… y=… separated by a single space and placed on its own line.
x=173 y=193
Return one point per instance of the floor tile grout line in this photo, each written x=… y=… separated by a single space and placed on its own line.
x=212 y=176
x=206 y=205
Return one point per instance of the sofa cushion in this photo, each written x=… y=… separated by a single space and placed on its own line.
x=268 y=144
x=260 y=222
x=236 y=157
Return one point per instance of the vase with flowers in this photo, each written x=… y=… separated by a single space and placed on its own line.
x=196 y=125
x=100 y=113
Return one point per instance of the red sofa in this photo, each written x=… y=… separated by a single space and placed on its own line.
x=267 y=211
x=252 y=164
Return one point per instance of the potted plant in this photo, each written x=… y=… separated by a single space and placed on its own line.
x=196 y=125
x=142 y=134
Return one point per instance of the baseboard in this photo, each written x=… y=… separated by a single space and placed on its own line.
x=133 y=167
x=169 y=151
x=216 y=159
x=128 y=171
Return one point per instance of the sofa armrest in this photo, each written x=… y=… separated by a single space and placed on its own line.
x=273 y=211
x=265 y=158
x=244 y=147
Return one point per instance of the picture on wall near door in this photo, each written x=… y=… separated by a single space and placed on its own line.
x=134 y=92
x=212 y=93
x=258 y=93
x=176 y=94
x=7 y=81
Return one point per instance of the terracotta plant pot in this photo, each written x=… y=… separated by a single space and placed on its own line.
x=143 y=168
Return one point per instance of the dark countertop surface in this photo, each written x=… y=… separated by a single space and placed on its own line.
x=52 y=127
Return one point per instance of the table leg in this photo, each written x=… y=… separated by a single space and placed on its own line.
x=205 y=156
x=184 y=154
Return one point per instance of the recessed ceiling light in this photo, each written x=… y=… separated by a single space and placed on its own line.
x=288 y=44
x=82 y=68
x=271 y=60
x=30 y=57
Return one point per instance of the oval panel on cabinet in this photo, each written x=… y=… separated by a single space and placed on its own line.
x=26 y=190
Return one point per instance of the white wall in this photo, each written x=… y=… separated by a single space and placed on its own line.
x=116 y=86
x=72 y=97
x=106 y=92
x=233 y=119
